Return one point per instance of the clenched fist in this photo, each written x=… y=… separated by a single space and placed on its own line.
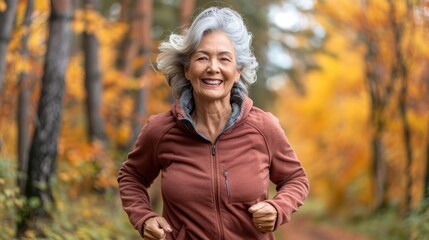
x=264 y=216
x=156 y=228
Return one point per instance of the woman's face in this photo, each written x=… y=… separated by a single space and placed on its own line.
x=212 y=69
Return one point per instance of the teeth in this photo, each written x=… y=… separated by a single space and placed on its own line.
x=212 y=82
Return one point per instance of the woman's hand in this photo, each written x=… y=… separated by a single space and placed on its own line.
x=264 y=216
x=156 y=228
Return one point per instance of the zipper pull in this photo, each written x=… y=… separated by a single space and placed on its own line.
x=213 y=149
x=228 y=191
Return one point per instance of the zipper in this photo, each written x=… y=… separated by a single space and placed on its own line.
x=228 y=191
x=217 y=191
x=213 y=149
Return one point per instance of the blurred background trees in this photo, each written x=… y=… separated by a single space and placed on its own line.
x=347 y=79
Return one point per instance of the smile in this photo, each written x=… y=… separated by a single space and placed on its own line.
x=212 y=81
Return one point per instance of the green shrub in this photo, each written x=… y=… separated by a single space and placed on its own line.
x=418 y=222
x=89 y=215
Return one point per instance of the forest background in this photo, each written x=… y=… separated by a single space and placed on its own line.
x=348 y=81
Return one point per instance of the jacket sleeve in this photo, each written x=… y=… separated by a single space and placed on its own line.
x=286 y=172
x=136 y=175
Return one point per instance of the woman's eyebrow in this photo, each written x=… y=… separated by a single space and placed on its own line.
x=208 y=53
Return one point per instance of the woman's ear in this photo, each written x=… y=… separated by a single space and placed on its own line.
x=185 y=70
x=239 y=74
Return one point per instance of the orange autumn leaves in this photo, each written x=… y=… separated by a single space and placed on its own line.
x=330 y=125
x=82 y=164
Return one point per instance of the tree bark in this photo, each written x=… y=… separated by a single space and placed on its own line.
x=143 y=9
x=377 y=122
x=43 y=151
x=129 y=49
x=187 y=7
x=426 y=183
x=23 y=105
x=6 y=23
x=379 y=98
x=400 y=74
x=130 y=44
x=123 y=15
x=379 y=171
x=93 y=85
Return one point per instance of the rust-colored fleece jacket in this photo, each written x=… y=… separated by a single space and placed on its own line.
x=207 y=187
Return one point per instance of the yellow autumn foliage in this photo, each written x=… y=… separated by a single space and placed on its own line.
x=3 y=6
x=329 y=125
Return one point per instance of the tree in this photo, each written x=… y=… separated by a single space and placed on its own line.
x=382 y=92
x=426 y=183
x=23 y=104
x=187 y=7
x=387 y=37
x=129 y=49
x=143 y=9
x=130 y=44
x=93 y=85
x=123 y=16
x=43 y=151
x=399 y=73
x=6 y=24
x=379 y=96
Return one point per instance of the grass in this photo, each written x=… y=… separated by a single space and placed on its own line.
x=88 y=215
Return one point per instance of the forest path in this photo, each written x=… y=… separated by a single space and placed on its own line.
x=301 y=228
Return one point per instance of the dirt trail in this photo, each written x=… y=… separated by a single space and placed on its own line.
x=303 y=229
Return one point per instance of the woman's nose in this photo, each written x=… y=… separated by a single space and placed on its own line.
x=213 y=66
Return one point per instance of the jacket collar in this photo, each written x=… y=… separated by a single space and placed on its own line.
x=241 y=105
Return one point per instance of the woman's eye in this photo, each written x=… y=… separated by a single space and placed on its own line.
x=201 y=58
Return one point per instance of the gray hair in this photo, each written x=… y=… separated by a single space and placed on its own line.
x=175 y=53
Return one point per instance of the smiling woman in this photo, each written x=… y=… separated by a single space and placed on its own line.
x=212 y=72
x=176 y=52
x=216 y=153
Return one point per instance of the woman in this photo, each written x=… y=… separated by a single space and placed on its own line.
x=216 y=152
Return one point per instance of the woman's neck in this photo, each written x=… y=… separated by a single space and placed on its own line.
x=210 y=118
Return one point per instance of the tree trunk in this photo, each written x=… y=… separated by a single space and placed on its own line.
x=128 y=51
x=43 y=151
x=144 y=9
x=379 y=171
x=400 y=74
x=6 y=23
x=93 y=85
x=130 y=44
x=187 y=7
x=426 y=183
x=23 y=105
x=377 y=122
x=379 y=98
x=123 y=15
